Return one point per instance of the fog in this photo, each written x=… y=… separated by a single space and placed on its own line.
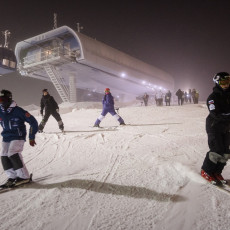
x=27 y=91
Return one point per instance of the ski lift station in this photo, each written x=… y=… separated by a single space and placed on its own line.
x=72 y=60
x=8 y=62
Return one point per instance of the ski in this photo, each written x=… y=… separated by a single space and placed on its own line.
x=62 y=132
x=5 y=189
x=111 y=128
x=227 y=186
x=222 y=187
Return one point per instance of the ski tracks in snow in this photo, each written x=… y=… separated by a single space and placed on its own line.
x=103 y=164
x=113 y=156
x=113 y=160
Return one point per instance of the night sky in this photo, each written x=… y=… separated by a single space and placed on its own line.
x=189 y=39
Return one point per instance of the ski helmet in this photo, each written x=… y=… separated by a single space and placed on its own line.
x=222 y=78
x=5 y=98
x=107 y=90
x=45 y=90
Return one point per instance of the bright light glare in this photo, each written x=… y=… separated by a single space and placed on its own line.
x=123 y=74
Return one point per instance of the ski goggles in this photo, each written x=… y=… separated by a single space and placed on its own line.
x=224 y=81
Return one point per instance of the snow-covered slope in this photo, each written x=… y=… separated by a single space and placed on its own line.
x=141 y=176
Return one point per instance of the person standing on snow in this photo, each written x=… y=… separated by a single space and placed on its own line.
x=217 y=128
x=51 y=108
x=108 y=107
x=193 y=96
x=168 y=98
x=159 y=98
x=179 y=94
x=12 y=120
x=196 y=97
x=146 y=99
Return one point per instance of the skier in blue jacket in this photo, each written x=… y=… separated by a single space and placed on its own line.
x=12 y=120
x=108 y=107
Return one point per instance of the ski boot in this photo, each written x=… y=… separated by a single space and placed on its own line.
x=61 y=125
x=96 y=125
x=219 y=177
x=209 y=178
x=41 y=127
x=61 y=128
x=9 y=183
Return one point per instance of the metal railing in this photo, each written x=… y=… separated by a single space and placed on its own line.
x=58 y=82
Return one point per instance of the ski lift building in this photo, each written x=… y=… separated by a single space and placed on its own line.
x=73 y=60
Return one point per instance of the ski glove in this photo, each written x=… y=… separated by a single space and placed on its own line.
x=32 y=142
x=57 y=110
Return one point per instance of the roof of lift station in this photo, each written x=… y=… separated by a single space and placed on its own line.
x=97 y=66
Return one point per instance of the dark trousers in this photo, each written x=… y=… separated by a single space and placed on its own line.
x=218 y=143
x=57 y=117
x=145 y=102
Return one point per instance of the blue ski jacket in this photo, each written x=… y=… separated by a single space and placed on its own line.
x=108 y=102
x=13 y=123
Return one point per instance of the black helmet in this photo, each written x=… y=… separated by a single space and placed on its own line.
x=5 y=98
x=45 y=90
x=6 y=93
x=222 y=77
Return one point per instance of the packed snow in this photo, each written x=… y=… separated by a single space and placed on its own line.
x=141 y=176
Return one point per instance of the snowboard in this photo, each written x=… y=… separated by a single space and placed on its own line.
x=5 y=189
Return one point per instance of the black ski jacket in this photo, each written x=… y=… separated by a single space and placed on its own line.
x=48 y=103
x=218 y=104
x=179 y=94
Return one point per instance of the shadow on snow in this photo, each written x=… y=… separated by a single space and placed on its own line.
x=108 y=188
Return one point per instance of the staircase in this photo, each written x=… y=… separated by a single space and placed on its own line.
x=58 y=82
